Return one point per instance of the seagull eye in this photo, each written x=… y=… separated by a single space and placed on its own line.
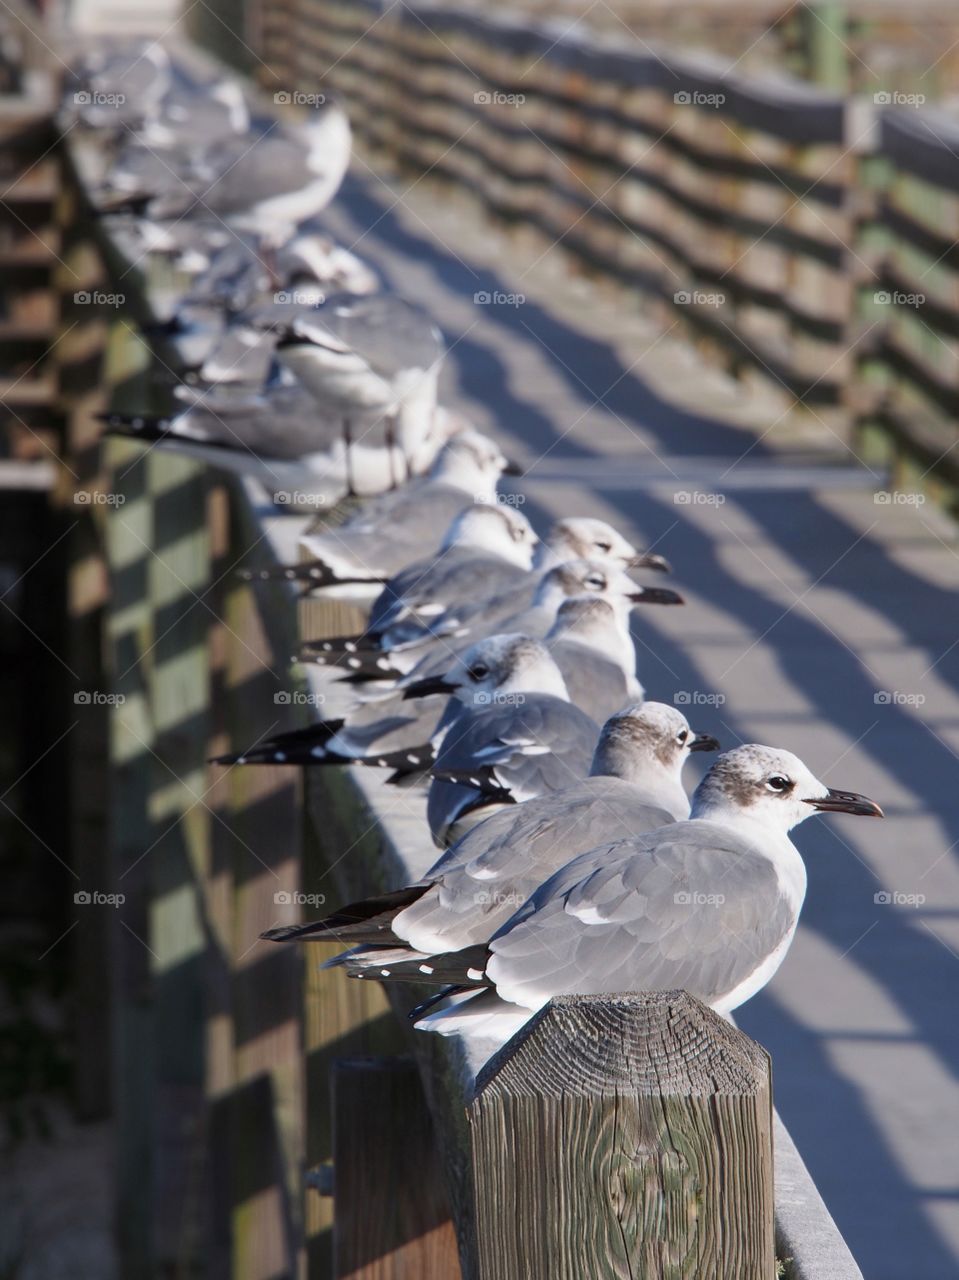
x=594 y=580
x=681 y=738
x=478 y=672
x=604 y=546
x=777 y=783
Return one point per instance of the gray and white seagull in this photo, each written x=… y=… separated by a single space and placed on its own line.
x=709 y=906
x=634 y=786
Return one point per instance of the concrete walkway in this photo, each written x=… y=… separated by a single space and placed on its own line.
x=819 y=618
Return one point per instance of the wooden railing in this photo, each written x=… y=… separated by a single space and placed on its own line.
x=909 y=373
x=223 y=1050
x=722 y=199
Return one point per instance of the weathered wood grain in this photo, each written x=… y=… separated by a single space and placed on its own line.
x=621 y=1137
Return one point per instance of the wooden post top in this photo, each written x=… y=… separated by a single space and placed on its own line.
x=653 y=1042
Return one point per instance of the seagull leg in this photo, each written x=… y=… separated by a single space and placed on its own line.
x=390 y=443
x=348 y=448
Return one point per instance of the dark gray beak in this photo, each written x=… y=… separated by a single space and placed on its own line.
x=655 y=595
x=431 y=684
x=704 y=742
x=847 y=802
x=650 y=560
x=513 y=468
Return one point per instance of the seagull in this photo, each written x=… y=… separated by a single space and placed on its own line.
x=124 y=86
x=485 y=548
x=411 y=624
x=518 y=737
x=266 y=186
x=709 y=905
x=634 y=786
x=374 y=362
x=388 y=532
x=591 y=644
x=277 y=435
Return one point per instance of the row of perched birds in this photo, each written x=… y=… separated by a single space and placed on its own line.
x=496 y=673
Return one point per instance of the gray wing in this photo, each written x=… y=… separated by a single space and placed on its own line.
x=532 y=748
x=594 y=683
x=457 y=575
x=248 y=171
x=489 y=873
x=386 y=538
x=690 y=907
x=388 y=333
x=260 y=426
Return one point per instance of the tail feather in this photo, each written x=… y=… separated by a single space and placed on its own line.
x=482 y=779
x=405 y=761
x=366 y=921
x=465 y=968
x=335 y=646
x=313 y=573
x=361 y=664
x=299 y=746
x=480 y=1014
x=137 y=426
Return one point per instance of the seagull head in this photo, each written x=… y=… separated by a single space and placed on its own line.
x=329 y=139
x=772 y=787
x=499 y=669
x=647 y=739
x=499 y=530
x=472 y=462
x=580 y=537
x=598 y=578
x=229 y=93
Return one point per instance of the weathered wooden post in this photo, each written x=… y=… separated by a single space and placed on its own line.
x=624 y=1136
x=392 y=1218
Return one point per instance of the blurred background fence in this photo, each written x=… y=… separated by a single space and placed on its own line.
x=798 y=226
